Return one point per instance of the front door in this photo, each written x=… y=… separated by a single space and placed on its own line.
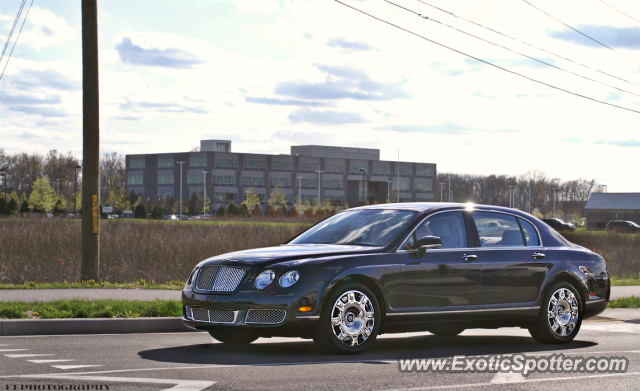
x=444 y=283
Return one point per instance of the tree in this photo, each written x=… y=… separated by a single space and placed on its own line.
x=169 y=203
x=43 y=197
x=251 y=199
x=293 y=212
x=243 y=211
x=140 y=212
x=76 y=199
x=133 y=197
x=232 y=209
x=157 y=213
x=112 y=173
x=221 y=211
x=277 y=198
x=3 y=204
x=24 y=206
x=61 y=204
x=193 y=203
x=12 y=207
x=257 y=211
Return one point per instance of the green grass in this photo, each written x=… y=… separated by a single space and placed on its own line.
x=616 y=281
x=140 y=284
x=625 y=302
x=81 y=308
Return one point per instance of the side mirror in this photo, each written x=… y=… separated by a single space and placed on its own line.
x=429 y=242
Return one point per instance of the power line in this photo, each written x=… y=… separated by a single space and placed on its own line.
x=483 y=61
x=16 y=42
x=581 y=33
x=513 y=51
x=15 y=22
x=535 y=47
x=619 y=11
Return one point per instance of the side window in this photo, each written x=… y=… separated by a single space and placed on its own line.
x=449 y=227
x=530 y=233
x=497 y=229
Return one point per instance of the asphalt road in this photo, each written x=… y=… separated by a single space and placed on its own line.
x=194 y=361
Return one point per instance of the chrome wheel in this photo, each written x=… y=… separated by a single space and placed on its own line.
x=562 y=312
x=352 y=318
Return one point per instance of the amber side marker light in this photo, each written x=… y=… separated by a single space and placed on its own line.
x=304 y=309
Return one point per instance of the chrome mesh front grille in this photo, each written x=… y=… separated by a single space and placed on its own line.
x=265 y=316
x=203 y=315
x=219 y=278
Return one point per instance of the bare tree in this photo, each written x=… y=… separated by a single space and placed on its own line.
x=112 y=174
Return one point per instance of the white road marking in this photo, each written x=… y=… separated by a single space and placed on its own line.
x=47 y=361
x=13 y=350
x=27 y=355
x=181 y=385
x=616 y=327
x=504 y=377
x=65 y=367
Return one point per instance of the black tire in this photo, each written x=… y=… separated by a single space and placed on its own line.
x=356 y=318
x=446 y=332
x=233 y=338
x=543 y=331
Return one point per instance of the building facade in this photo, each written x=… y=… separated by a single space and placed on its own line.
x=604 y=207
x=310 y=172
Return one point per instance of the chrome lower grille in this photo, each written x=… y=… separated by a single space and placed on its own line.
x=219 y=278
x=265 y=316
x=203 y=315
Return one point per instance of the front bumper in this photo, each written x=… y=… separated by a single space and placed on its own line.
x=246 y=303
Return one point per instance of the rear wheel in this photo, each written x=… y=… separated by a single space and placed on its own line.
x=560 y=315
x=233 y=338
x=349 y=321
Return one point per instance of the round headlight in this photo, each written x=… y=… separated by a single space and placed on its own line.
x=264 y=279
x=289 y=278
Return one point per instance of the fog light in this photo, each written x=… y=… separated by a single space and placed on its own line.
x=304 y=309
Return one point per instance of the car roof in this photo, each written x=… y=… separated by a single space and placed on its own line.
x=436 y=206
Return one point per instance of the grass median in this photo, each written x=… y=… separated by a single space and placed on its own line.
x=140 y=284
x=81 y=308
x=625 y=302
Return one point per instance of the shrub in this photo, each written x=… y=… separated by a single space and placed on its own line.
x=157 y=213
x=232 y=209
x=140 y=212
x=308 y=213
x=12 y=207
x=293 y=212
x=221 y=212
x=283 y=210
x=24 y=208
x=243 y=211
x=257 y=211
x=271 y=211
x=3 y=205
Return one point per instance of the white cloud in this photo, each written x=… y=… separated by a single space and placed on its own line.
x=44 y=29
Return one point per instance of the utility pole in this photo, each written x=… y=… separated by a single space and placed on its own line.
x=554 y=201
x=299 y=178
x=450 y=195
x=363 y=190
x=441 y=189
x=510 y=196
x=180 y=163
x=90 y=265
x=319 y=175
x=204 y=199
x=388 y=190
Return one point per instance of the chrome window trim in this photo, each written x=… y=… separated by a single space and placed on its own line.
x=399 y=250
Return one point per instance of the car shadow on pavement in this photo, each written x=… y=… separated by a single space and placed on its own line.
x=384 y=349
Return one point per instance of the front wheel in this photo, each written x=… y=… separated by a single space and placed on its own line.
x=349 y=321
x=560 y=315
x=233 y=338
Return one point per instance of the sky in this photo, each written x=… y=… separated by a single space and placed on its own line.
x=268 y=74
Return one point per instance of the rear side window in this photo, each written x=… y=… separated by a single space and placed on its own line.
x=497 y=229
x=530 y=234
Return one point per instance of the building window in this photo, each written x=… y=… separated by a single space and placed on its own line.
x=165 y=179
x=257 y=181
x=255 y=164
x=423 y=199
x=381 y=170
x=311 y=199
x=136 y=163
x=280 y=182
x=282 y=165
x=336 y=168
x=289 y=198
x=195 y=161
x=195 y=179
x=134 y=179
x=307 y=183
x=404 y=186
x=425 y=172
x=355 y=168
x=165 y=194
x=225 y=198
x=423 y=187
x=332 y=184
x=336 y=200
x=224 y=180
x=222 y=147
x=229 y=163
x=405 y=170
x=309 y=166
x=406 y=198
x=165 y=162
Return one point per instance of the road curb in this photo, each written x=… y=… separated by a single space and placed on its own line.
x=18 y=327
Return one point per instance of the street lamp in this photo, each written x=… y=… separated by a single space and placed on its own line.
x=75 y=191
x=204 y=199
x=319 y=174
x=449 y=187
x=299 y=178
x=441 y=189
x=58 y=180
x=363 y=170
x=389 y=190
x=180 y=163
x=510 y=196
x=554 y=201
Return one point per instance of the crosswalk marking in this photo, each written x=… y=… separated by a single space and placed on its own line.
x=47 y=361
x=27 y=355
x=74 y=366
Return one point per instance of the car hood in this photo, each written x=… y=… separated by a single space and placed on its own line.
x=269 y=255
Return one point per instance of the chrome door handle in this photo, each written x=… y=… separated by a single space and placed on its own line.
x=537 y=255
x=469 y=257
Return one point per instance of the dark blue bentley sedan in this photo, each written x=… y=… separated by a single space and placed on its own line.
x=392 y=268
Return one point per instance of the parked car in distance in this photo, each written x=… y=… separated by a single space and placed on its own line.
x=171 y=217
x=395 y=268
x=559 y=225
x=127 y=214
x=112 y=217
x=622 y=226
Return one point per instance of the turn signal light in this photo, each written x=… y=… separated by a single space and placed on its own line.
x=592 y=294
x=304 y=309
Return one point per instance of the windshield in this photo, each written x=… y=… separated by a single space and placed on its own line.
x=365 y=227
